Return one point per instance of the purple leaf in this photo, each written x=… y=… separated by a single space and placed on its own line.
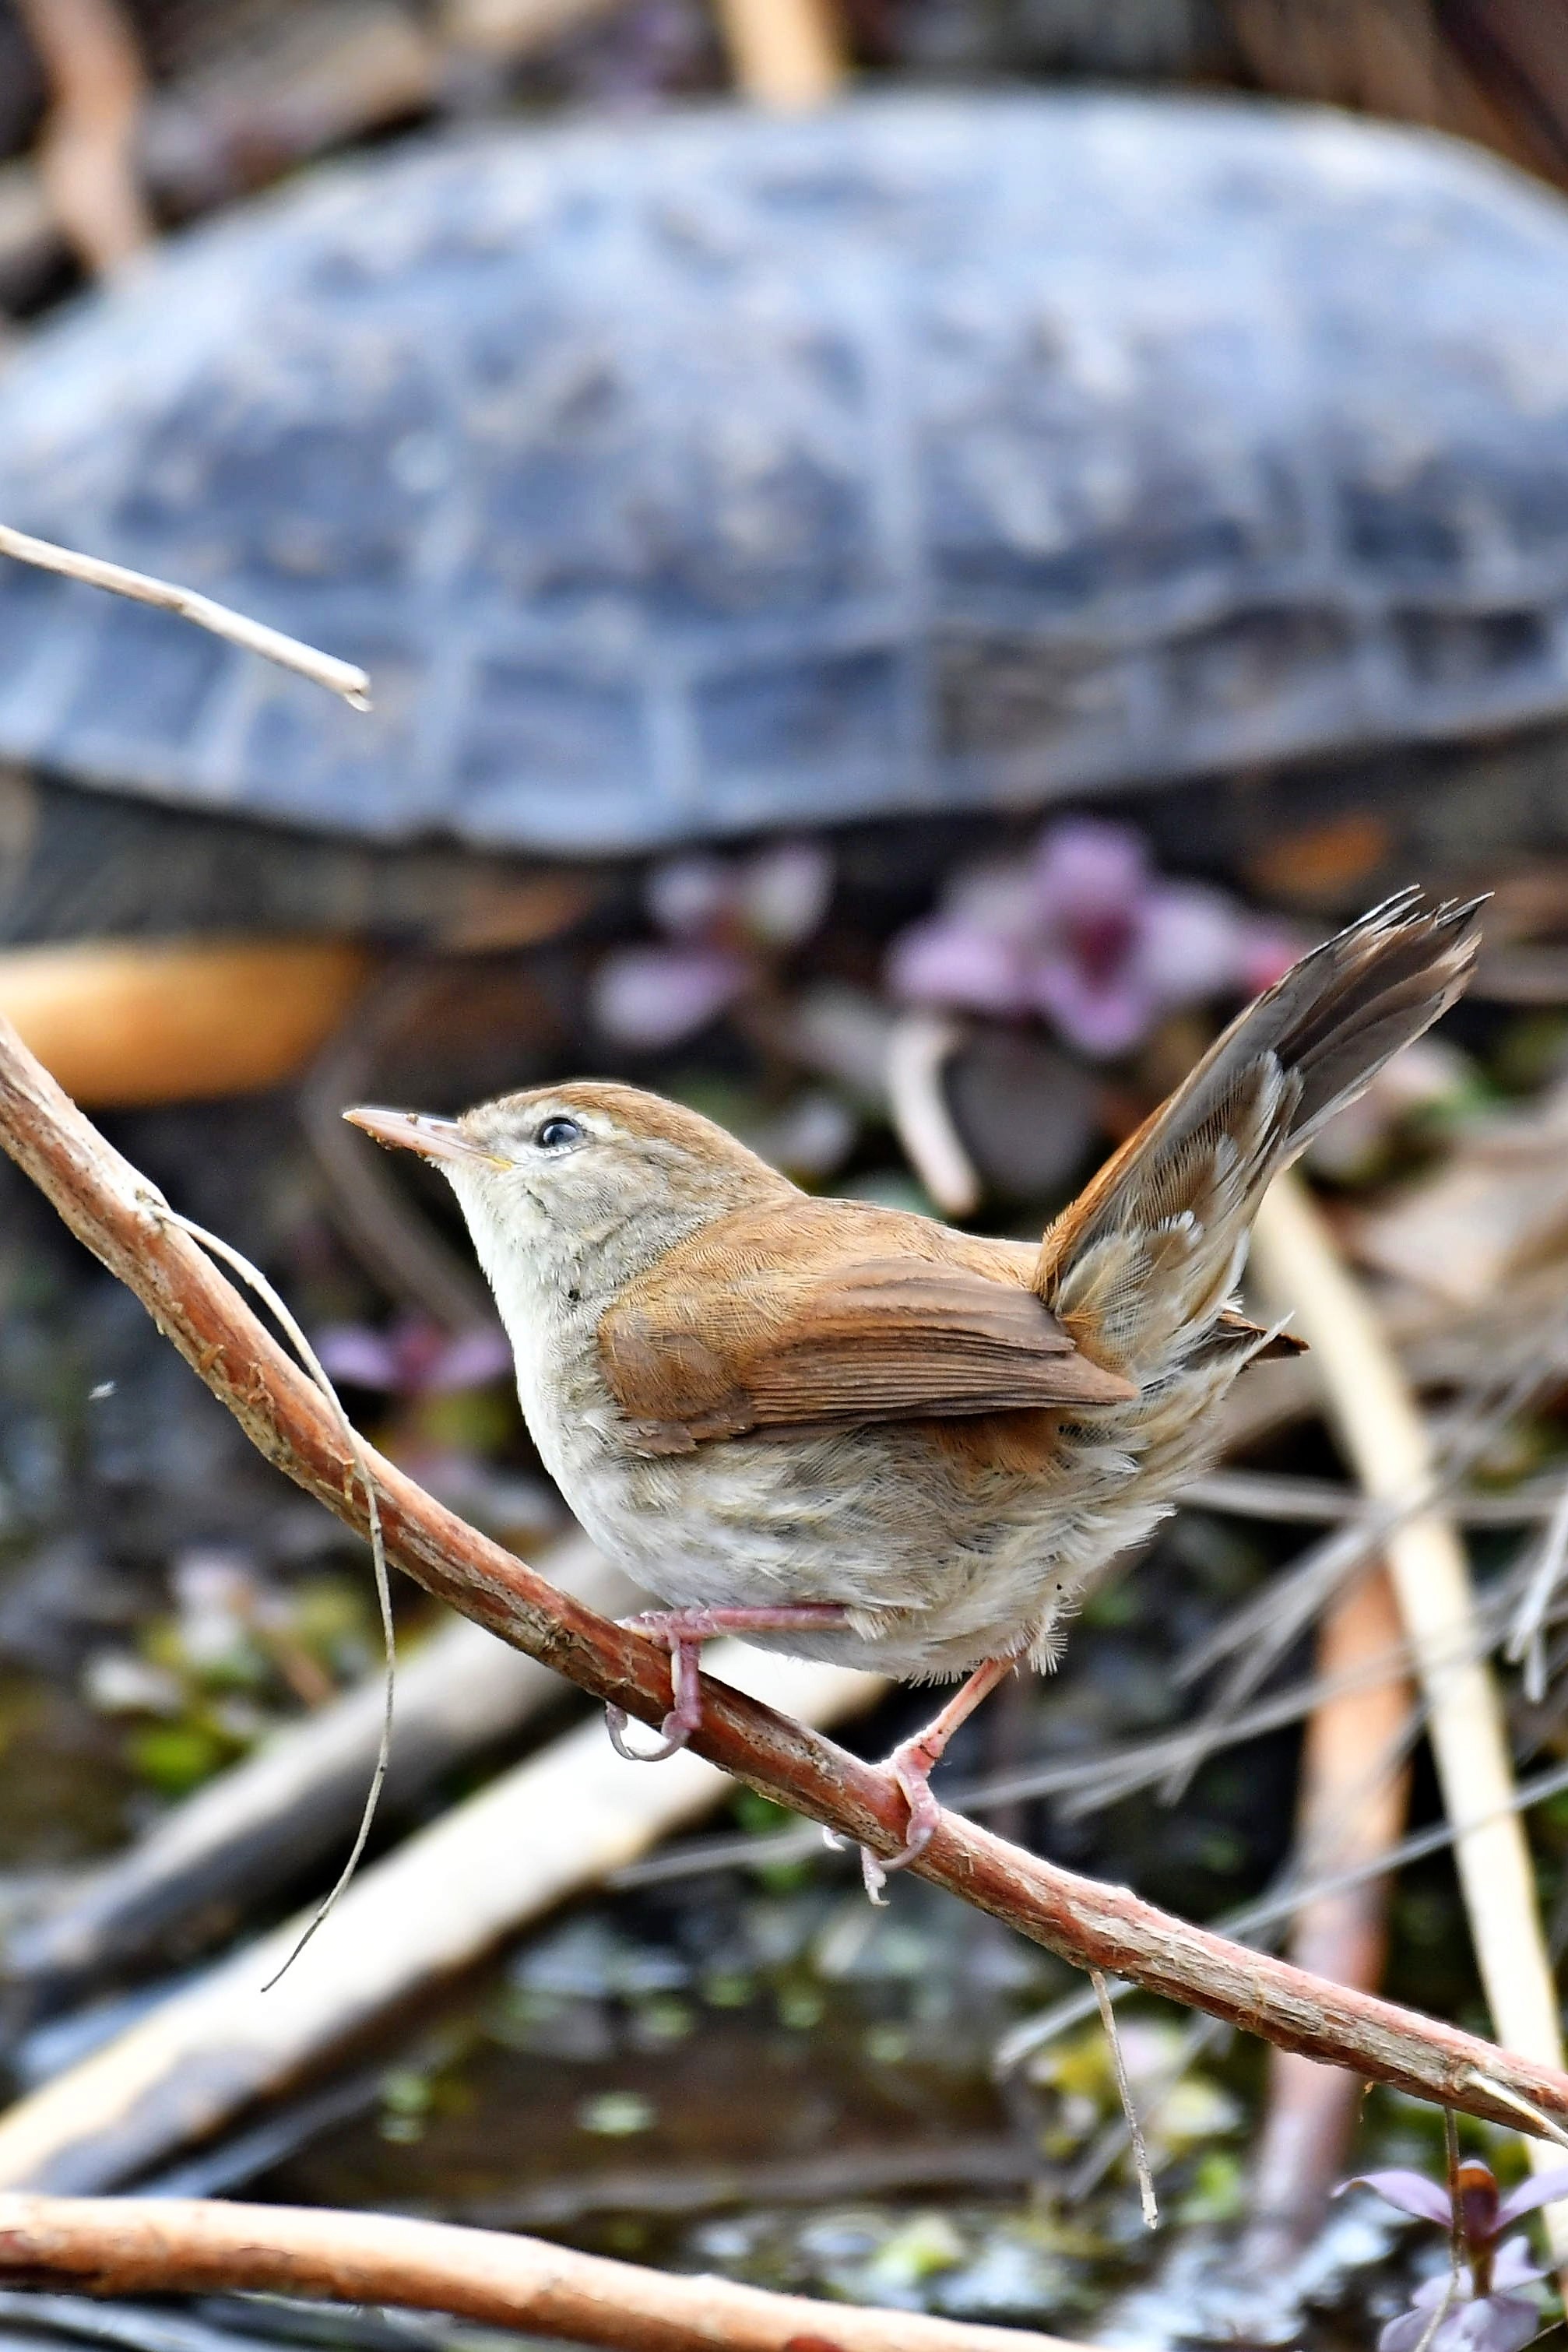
x=1541 y=2189
x=656 y=996
x=1412 y=2192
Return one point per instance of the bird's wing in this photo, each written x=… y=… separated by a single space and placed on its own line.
x=713 y=1349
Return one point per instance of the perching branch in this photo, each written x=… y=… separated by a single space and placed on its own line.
x=176 y=2245
x=120 y=1216
x=338 y=677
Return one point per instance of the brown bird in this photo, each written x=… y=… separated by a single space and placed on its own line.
x=853 y=1433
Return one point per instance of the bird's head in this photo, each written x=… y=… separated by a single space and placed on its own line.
x=590 y=1181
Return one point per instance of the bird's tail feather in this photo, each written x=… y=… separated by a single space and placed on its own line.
x=1142 y=1263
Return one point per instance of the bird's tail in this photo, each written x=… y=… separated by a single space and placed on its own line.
x=1141 y=1267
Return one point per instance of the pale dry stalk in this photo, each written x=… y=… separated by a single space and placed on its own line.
x=87 y=153
x=919 y=1048
x=786 y=54
x=1378 y=1426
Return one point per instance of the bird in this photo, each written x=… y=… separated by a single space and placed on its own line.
x=853 y=1433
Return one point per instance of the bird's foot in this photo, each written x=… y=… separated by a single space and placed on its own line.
x=683 y=1632
x=911 y=1766
x=685 y=1691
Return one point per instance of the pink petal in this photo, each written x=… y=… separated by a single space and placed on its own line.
x=785 y=890
x=1541 y=2189
x=651 y=997
x=362 y=1357
x=686 y=895
x=998 y=899
x=1087 y=867
x=470 y=1360
x=1101 y=1018
x=1514 y=2265
x=947 y=962
x=1404 y=2334
x=1412 y=2192
x=1499 y=2323
x=1267 y=952
x=1189 y=943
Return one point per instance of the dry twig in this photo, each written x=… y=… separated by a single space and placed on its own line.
x=1281 y=1496
x=919 y=1049
x=1146 y=2197
x=338 y=677
x=171 y=2245
x=1377 y=1424
x=112 y=1208
x=1526 y=1638
x=786 y=54
x=1257 y=1635
x=87 y=157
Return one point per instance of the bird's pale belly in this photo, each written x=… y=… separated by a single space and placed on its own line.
x=879 y=1520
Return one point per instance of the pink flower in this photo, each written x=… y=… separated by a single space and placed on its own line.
x=1484 y=2310
x=1088 y=935
x=652 y=997
x=723 y=918
x=415 y=1357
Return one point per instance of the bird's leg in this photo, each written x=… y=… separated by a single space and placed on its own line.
x=911 y=1764
x=683 y=1633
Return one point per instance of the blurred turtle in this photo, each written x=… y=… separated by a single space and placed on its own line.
x=729 y=473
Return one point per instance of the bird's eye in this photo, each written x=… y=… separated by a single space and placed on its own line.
x=559 y=1134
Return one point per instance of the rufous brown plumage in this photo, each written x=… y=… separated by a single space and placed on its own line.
x=852 y=1433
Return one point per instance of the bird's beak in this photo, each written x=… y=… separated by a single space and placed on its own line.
x=417 y=1130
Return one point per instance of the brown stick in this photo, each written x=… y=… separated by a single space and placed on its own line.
x=116 y=1212
x=1354 y=1791
x=157 y=2246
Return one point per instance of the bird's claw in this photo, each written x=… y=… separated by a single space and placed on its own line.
x=674 y=1735
x=686 y=1690
x=910 y=1770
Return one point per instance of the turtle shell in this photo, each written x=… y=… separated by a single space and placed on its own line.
x=720 y=472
